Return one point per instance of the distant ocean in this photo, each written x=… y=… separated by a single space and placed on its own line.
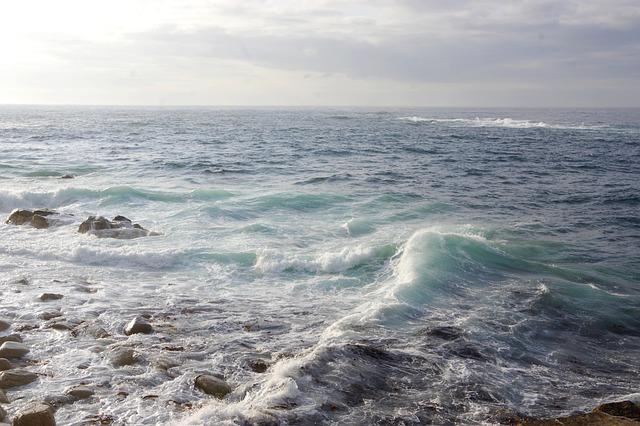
x=333 y=266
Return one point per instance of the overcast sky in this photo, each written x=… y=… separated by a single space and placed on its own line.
x=321 y=52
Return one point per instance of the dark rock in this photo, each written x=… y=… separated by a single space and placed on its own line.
x=626 y=409
x=3 y=413
x=138 y=325
x=4 y=325
x=3 y=400
x=258 y=365
x=48 y=315
x=67 y=177
x=5 y=364
x=57 y=401
x=212 y=385
x=123 y=356
x=39 y=222
x=91 y=330
x=121 y=219
x=120 y=227
x=20 y=217
x=623 y=413
x=16 y=377
x=13 y=350
x=46 y=297
x=445 y=332
x=10 y=338
x=80 y=392
x=36 y=218
x=35 y=414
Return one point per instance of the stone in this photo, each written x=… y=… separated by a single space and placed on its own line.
x=80 y=392
x=622 y=413
x=163 y=362
x=626 y=409
x=123 y=356
x=39 y=222
x=138 y=325
x=3 y=399
x=57 y=401
x=67 y=177
x=258 y=365
x=16 y=377
x=5 y=364
x=4 y=325
x=91 y=330
x=10 y=338
x=13 y=350
x=20 y=217
x=46 y=297
x=3 y=413
x=47 y=315
x=120 y=227
x=36 y=218
x=35 y=414
x=212 y=385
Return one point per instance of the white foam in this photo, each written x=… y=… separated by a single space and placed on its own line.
x=500 y=122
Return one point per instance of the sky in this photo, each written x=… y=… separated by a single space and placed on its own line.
x=519 y=53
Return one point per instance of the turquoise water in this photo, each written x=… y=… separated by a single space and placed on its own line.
x=396 y=266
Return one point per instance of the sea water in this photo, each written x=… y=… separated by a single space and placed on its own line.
x=389 y=266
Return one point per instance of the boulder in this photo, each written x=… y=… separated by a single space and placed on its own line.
x=123 y=356
x=13 y=350
x=5 y=364
x=46 y=297
x=4 y=325
x=80 y=392
x=120 y=227
x=10 y=338
x=36 y=218
x=67 y=177
x=16 y=377
x=212 y=385
x=138 y=325
x=35 y=414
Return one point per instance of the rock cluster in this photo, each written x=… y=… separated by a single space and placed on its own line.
x=119 y=227
x=36 y=218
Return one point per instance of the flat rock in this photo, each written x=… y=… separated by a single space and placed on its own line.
x=10 y=338
x=45 y=297
x=80 y=392
x=35 y=414
x=212 y=385
x=5 y=364
x=123 y=356
x=13 y=350
x=16 y=377
x=4 y=325
x=138 y=325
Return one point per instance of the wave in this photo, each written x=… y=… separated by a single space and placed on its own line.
x=10 y=200
x=501 y=122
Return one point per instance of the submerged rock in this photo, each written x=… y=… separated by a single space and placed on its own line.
x=67 y=177
x=46 y=297
x=4 y=325
x=121 y=357
x=13 y=350
x=212 y=385
x=91 y=330
x=35 y=414
x=138 y=325
x=258 y=365
x=3 y=413
x=16 y=377
x=36 y=218
x=120 y=227
x=80 y=392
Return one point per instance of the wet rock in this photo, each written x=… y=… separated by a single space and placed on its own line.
x=4 y=325
x=3 y=399
x=67 y=177
x=5 y=364
x=138 y=325
x=626 y=409
x=120 y=227
x=445 y=332
x=46 y=297
x=35 y=414
x=258 y=365
x=36 y=218
x=3 y=413
x=164 y=363
x=90 y=330
x=212 y=385
x=123 y=356
x=58 y=401
x=16 y=377
x=13 y=350
x=10 y=338
x=622 y=413
x=60 y=325
x=47 y=315
x=80 y=392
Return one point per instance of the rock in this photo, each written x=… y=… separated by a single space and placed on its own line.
x=45 y=297
x=35 y=414
x=138 y=325
x=212 y=385
x=80 y=392
x=67 y=177
x=4 y=325
x=13 y=350
x=10 y=338
x=57 y=401
x=5 y=364
x=91 y=330
x=16 y=377
x=47 y=315
x=120 y=227
x=626 y=409
x=123 y=356
x=258 y=365
x=36 y=218
x=3 y=399
x=3 y=413
x=622 y=413
x=163 y=362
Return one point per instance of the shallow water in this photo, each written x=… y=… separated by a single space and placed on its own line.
x=392 y=267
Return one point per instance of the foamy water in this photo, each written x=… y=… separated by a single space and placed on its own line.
x=437 y=268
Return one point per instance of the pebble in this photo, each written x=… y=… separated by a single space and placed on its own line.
x=4 y=325
x=16 y=377
x=212 y=385
x=45 y=297
x=123 y=356
x=138 y=325
x=13 y=350
x=35 y=414
x=5 y=364
x=80 y=392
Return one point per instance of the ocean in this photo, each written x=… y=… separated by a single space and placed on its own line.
x=332 y=265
